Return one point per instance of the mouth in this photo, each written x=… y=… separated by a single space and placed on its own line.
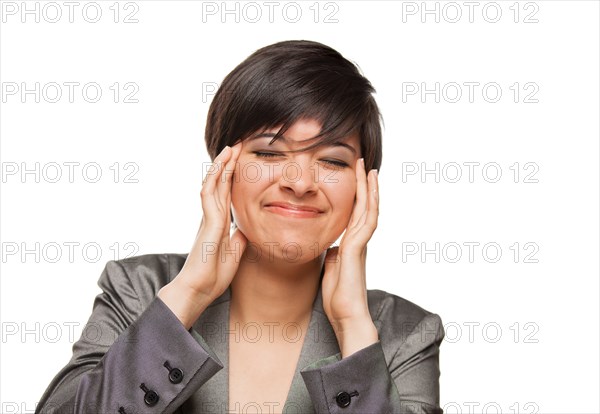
x=292 y=210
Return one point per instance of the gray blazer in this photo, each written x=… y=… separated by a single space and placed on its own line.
x=135 y=356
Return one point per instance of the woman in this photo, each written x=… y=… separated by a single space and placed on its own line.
x=288 y=317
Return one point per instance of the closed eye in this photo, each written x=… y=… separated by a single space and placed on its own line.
x=338 y=164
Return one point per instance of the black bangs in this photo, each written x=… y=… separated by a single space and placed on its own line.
x=282 y=83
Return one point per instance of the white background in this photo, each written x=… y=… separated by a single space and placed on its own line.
x=546 y=311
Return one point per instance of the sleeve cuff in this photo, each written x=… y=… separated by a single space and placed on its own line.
x=139 y=356
x=360 y=381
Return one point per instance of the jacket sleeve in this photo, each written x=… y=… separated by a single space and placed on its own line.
x=130 y=359
x=364 y=382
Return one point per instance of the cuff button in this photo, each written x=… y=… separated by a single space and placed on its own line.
x=175 y=375
x=343 y=398
x=150 y=396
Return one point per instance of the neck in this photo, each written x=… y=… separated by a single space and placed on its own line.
x=270 y=290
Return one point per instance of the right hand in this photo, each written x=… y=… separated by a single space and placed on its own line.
x=215 y=255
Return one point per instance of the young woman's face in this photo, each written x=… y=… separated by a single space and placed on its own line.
x=321 y=181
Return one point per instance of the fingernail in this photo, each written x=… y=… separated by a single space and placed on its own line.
x=362 y=161
x=375 y=173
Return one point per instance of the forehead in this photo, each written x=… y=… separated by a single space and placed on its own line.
x=351 y=142
x=303 y=132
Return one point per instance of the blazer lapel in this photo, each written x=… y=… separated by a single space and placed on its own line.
x=213 y=397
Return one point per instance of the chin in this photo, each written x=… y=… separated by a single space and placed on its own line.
x=299 y=247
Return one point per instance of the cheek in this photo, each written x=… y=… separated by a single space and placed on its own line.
x=251 y=170
x=249 y=180
x=342 y=196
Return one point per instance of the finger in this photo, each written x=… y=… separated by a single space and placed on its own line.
x=360 y=207
x=226 y=187
x=366 y=231
x=367 y=223
x=227 y=229
x=373 y=210
x=226 y=179
x=209 y=203
x=213 y=170
x=372 y=214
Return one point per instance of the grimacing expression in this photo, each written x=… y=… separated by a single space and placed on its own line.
x=322 y=179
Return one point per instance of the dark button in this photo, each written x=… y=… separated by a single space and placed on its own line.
x=343 y=398
x=150 y=396
x=175 y=375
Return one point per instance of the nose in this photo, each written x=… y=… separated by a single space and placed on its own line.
x=299 y=177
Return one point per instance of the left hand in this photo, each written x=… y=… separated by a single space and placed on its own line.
x=344 y=285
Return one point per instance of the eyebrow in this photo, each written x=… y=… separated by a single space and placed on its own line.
x=272 y=134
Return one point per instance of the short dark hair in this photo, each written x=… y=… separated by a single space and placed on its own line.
x=290 y=80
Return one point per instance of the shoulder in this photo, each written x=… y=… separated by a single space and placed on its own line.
x=146 y=273
x=397 y=319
